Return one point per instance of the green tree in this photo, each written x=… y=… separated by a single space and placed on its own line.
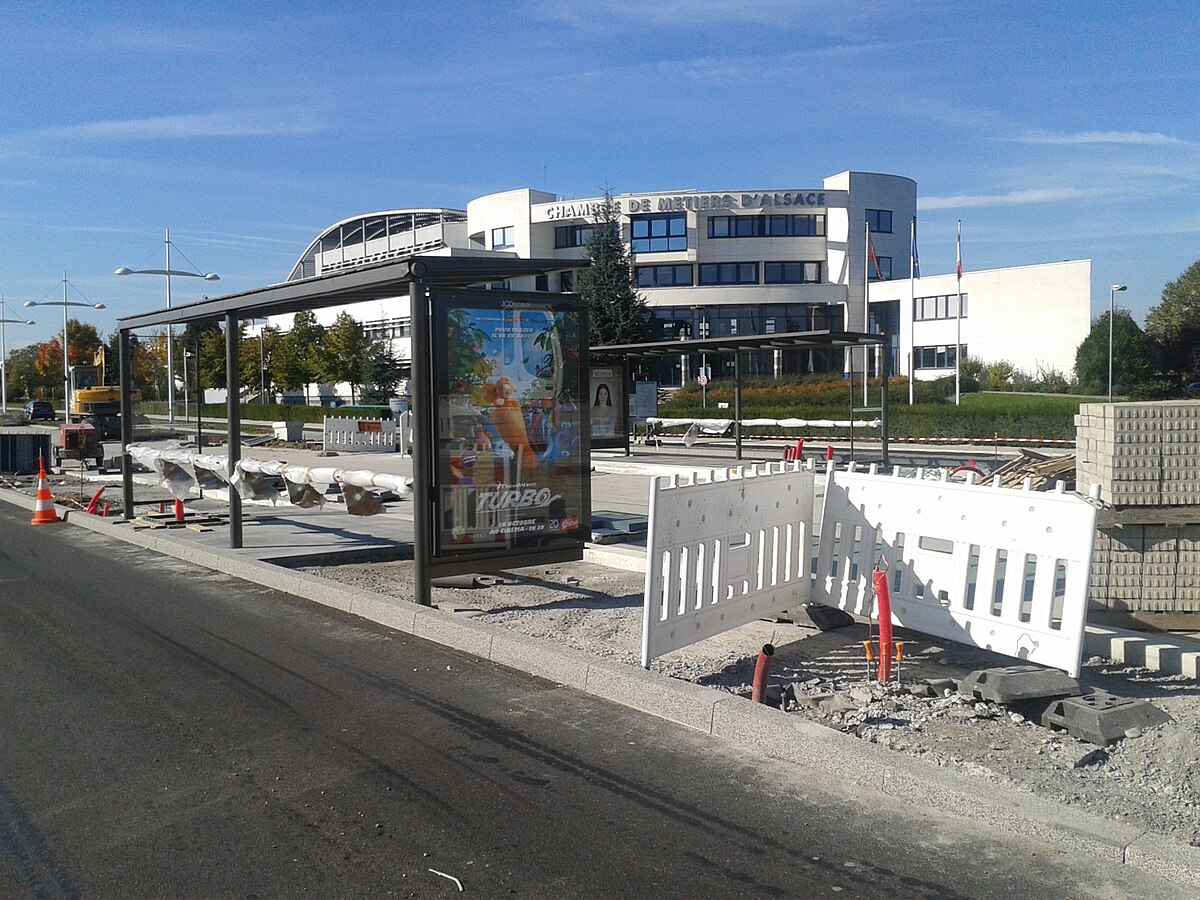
x=346 y=354
x=618 y=313
x=1173 y=326
x=24 y=377
x=300 y=353
x=1132 y=359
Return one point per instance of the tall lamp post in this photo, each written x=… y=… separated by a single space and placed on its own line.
x=168 y=272
x=4 y=355
x=1112 y=294
x=64 y=303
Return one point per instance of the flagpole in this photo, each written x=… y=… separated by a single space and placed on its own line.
x=866 y=305
x=958 y=323
x=912 y=309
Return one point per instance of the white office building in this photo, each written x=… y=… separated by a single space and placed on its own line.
x=716 y=263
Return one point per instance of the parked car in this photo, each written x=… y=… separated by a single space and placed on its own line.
x=1193 y=389
x=37 y=409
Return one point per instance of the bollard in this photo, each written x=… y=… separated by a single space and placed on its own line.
x=762 y=669
x=883 y=594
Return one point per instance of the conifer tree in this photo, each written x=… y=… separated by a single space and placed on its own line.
x=618 y=312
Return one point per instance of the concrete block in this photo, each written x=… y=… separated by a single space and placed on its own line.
x=1102 y=718
x=1164 y=658
x=449 y=631
x=668 y=698
x=1129 y=650
x=1189 y=664
x=538 y=657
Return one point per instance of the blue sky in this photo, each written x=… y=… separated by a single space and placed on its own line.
x=1053 y=130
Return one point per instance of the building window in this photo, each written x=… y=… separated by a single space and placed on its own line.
x=766 y=226
x=541 y=282
x=503 y=238
x=792 y=273
x=566 y=282
x=885 y=268
x=729 y=273
x=928 y=309
x=664 y=276
x=879 y=221
x=941 y=357
x=572 y=236
x=658 y=233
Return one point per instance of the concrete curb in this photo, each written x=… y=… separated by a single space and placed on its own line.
x=765 y=730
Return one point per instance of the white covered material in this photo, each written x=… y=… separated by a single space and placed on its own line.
x=720 y=426
x=360 y=435
x=252 y=477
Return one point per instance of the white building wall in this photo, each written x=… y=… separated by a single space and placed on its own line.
x=1034 y=317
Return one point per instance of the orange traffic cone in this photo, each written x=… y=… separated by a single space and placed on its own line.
x=43 y=510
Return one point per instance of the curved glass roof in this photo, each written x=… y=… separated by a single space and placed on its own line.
x=376 y=237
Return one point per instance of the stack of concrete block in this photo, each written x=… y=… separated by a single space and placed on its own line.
x=1146 y=459
x=1141 y=454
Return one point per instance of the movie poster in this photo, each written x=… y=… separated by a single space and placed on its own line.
x=606 y=405
x=511 y=455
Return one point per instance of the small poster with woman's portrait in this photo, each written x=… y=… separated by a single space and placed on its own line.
x=606 y=400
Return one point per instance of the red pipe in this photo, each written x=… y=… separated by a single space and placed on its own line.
x=762 y=670
x=91 y=507
x=178 y=510
x=883 y=594
x=829 y=453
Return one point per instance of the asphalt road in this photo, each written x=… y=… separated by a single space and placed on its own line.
x=167 y=731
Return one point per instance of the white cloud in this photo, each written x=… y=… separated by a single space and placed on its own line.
x=1135 y=138
x=1011 y=198
x=246 y=123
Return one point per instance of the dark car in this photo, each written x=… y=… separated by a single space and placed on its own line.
x=37 y=409
x=1193 y=389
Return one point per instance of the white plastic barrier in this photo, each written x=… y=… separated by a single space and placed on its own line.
x=724 y=552
x=1001 y=569
x=360 y=435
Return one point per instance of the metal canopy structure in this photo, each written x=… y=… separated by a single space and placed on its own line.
x=788 y=340
x=734 y=345
x=379 y=281
x=389 y=280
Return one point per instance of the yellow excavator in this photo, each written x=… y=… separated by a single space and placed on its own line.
x=94 y=400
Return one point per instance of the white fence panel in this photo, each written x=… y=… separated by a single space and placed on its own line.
x=360 y=435
x=1006 y=570
x=724 y=552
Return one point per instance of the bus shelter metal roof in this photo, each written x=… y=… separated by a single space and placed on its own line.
x=379 y=281
x=790 y=340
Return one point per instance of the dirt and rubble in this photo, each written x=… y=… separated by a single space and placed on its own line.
x=1151 y=778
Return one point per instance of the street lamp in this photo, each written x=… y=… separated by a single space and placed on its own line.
x=4 y=355
x=1112 y=293
x=168 y=271
x=64 y=303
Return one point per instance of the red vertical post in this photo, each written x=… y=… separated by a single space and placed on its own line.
x=762 y=670
x=178 y=510
x=883 y=595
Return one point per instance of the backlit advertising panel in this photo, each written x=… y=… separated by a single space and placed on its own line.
x=606 y=405
x=510 y=435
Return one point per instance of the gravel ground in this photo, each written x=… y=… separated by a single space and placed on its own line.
x=1151 y=778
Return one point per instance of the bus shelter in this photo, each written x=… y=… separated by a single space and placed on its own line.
x=418 y=277
x=735 y=345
